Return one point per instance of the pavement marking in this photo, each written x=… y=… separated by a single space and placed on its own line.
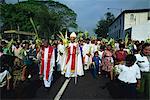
x=61 y=91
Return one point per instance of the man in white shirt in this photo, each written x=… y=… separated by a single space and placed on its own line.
x=61 y=56
x=143 y=61
x=87 y=54
x=17 y=51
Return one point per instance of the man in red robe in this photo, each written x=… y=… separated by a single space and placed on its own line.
x=73 y=65
x=47 y=64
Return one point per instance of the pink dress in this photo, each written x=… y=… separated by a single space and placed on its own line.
x=107 y=61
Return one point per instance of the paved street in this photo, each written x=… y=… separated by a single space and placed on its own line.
x=86 y=88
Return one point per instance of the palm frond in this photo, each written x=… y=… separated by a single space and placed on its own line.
x=61 y=34
x=86 y=33
x=10 y=44
x=147 y=40
x=64 y=39
x=111 y=42
x=32 y=22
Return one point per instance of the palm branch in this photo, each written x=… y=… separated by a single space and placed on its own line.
x=64 y=39
x=86 y=33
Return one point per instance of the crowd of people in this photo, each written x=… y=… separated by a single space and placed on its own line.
x=128 y=63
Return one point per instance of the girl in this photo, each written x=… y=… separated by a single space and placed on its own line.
x=96 y=63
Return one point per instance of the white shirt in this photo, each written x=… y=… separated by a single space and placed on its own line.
x=86 y=49
x=93 y=49
x=17 y=52
x=143 y=63
x=100 y=54
x=4 y=76
x=129 y=74
x=61 y=48
x=117 y=46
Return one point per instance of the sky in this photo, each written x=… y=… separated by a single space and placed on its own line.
x=89 y=12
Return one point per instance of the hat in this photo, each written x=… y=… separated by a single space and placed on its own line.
x=73 y=34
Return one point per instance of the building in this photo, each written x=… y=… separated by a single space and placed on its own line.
x=128 y=21
x=19 y=35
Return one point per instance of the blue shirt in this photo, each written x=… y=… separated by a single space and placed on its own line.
x=96 y=60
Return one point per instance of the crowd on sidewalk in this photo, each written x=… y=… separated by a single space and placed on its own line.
x=128 y=62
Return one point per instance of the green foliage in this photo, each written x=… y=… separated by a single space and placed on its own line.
x=112 y=43
x=103 y=25
x=86 y=33
x=64 y=38
x=49 y=17
x=147 y=40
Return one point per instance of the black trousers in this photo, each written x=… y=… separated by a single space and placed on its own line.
x=127 y=90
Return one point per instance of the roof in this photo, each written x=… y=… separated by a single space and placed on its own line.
x=131 y=11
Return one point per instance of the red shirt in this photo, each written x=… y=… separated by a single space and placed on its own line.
x=120 y=55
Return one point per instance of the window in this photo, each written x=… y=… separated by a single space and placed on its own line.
x=131 y=17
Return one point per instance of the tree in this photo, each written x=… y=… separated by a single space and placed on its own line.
x=50 y=17
x=103 y=25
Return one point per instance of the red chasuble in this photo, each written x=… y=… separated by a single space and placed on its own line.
x=50 y=51
x=73 y=58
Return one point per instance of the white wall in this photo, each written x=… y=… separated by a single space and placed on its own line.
x=141 y=32
x=128 y=22
x=138 y=18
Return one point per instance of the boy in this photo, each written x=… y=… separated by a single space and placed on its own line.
x=129 y=77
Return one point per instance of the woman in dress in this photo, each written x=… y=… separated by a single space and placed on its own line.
x=107 y=61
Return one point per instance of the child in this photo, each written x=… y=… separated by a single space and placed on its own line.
x=129 y=77
x=96 y=63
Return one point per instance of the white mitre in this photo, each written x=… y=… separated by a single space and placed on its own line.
x=73 y=34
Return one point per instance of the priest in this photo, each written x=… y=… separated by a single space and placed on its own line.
x=47 y=64
x=73 y=64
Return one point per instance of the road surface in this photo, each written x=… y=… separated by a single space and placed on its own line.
x=86 y=87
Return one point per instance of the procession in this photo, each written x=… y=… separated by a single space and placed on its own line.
x=114 y=60
x=48 y=62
